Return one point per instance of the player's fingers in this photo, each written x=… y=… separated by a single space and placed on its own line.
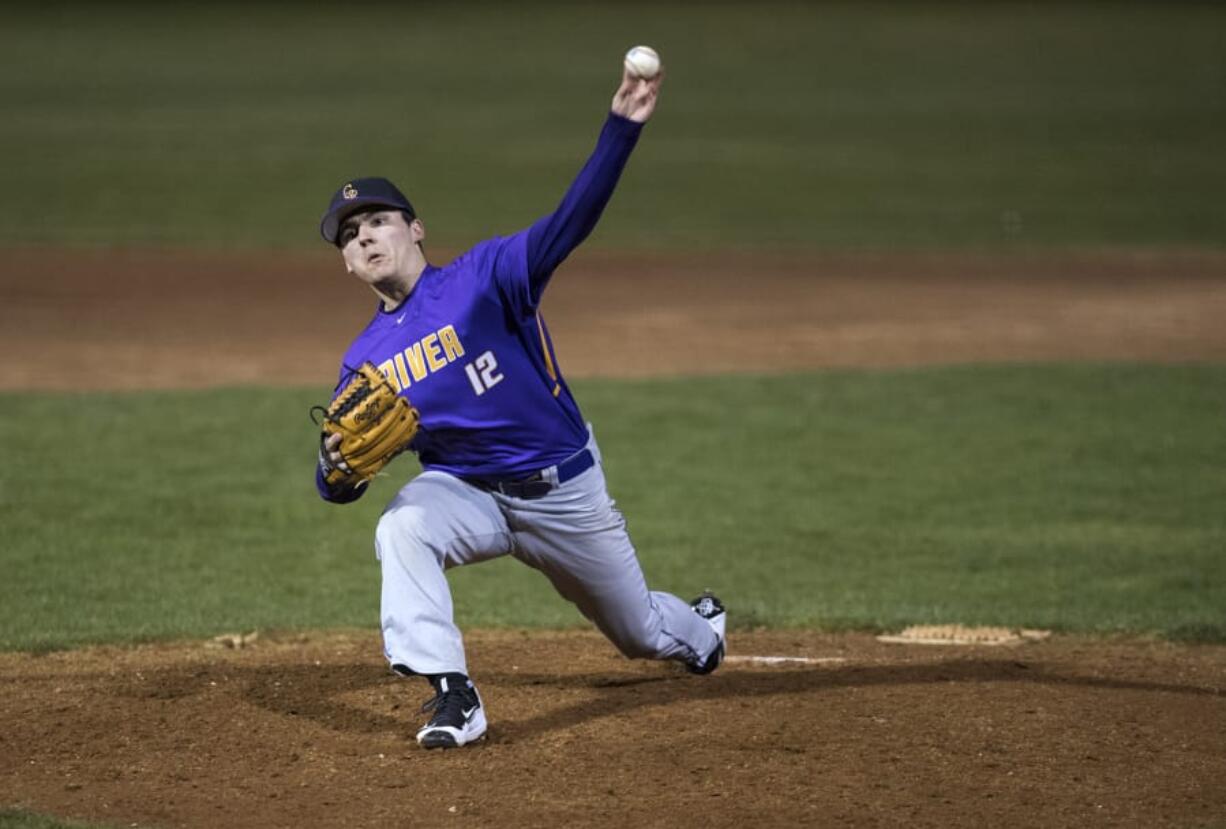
x=653 y=85
x=338 y=460
x=332 y=441
x=646 y=88
x=627 y=90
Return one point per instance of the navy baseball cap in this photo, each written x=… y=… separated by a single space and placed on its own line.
x=356 y=195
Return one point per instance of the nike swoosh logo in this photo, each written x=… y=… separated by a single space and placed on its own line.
x=468 y=712
x=400 y=319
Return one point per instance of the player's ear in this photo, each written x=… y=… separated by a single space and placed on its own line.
x=417 y=230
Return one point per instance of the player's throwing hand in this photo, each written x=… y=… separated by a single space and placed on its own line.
x=636 y=97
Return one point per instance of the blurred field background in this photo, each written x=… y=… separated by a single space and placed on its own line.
x=1084 y=498
x=837 y=125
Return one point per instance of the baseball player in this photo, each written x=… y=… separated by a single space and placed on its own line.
x=509 y=466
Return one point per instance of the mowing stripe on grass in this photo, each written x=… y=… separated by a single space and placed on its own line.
x=1084 y=498
x=833 y=124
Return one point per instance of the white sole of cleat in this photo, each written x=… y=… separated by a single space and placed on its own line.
x=448 y=737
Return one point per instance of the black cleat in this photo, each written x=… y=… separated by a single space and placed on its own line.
x=709 y=607
x=459 y=717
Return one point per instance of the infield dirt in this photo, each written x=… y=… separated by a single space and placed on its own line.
x=127 y=319
x=315 y=732
x=312 y=731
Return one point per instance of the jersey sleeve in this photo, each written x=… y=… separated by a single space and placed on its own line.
x=340 y=494
x=527 y=259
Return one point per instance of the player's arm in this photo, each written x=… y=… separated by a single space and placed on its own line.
x=553 y=237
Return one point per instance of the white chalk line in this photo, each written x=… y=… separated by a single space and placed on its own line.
x=786 y=660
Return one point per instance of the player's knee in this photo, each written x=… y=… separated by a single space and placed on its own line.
x=638 y=641
x=404 y=533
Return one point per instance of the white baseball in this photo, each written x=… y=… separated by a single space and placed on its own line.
x=643 y=62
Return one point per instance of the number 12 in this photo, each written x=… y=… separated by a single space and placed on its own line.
x=483 y=373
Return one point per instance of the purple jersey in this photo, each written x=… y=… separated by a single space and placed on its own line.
x=469 y=348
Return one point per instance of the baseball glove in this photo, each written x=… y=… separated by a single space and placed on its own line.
x=375 y=423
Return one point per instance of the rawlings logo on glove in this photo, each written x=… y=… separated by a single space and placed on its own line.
x=374 y=422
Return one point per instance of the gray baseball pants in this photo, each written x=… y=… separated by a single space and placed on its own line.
x=574 y=535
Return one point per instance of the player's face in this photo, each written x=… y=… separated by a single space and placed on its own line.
x=380 y=245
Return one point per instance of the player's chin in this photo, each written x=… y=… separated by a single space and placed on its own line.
x=373 y=274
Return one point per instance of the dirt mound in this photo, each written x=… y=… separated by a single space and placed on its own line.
x=314 y=731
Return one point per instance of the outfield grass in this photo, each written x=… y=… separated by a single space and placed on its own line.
x=1080 y=498
x=911 y=124
x=21 y=819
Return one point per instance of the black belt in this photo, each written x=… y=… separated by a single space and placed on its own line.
x=538 y=485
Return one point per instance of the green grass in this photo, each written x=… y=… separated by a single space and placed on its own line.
x=912 y=124
x=1080 y=498
x=20 y=819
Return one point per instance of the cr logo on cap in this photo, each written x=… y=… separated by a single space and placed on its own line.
x=349 y=192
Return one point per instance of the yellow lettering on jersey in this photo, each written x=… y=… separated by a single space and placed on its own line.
x=385 y=368
x=429 y=354
x=416 y=364
x=434 y=354
x=402 y=373
x=451 y=343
